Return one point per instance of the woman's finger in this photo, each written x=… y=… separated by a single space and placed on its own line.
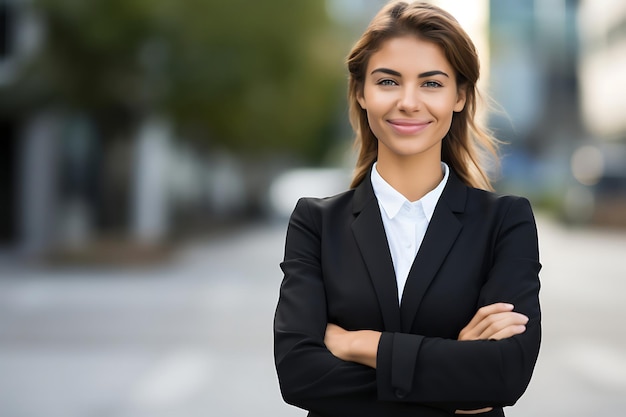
x=508 y=332
x=501 y=321
x=491 y=321
x=477 y=325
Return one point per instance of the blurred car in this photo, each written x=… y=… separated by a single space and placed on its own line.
x=291 y=185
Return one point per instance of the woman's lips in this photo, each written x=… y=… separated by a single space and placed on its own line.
x=407 y=127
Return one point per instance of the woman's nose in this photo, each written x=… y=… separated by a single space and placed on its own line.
x=409 y=101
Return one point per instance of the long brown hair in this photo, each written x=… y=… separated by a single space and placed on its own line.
x=467 y=145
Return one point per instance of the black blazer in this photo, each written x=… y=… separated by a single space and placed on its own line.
x=479 y=249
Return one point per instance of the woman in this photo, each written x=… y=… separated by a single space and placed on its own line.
x=415 y=293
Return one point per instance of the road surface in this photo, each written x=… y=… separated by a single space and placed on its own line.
x=193 y=337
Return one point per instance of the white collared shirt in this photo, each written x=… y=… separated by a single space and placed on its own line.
x=405 y=222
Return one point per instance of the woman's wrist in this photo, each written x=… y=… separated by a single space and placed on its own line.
x=363 y=348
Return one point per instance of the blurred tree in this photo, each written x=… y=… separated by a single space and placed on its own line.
x=246 y=75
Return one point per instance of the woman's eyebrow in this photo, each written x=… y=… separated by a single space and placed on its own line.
x=431 y=73
x=397 y=74
x=386 y=71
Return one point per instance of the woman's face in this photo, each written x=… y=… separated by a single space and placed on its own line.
x=410 y=94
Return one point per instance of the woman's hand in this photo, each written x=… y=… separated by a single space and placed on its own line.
x=360 y=346
x=495 y=321
x=337 y=340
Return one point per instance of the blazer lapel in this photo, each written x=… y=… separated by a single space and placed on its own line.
x=370 y=236
x=440 y=236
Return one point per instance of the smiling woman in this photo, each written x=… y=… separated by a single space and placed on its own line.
x=416 y=291
x=409 y=99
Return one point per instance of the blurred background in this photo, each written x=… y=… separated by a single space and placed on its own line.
x=151 y=152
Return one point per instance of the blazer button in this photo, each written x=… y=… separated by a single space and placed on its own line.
x=400 y=393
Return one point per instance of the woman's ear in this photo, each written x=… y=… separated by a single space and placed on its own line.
x=361 y=99
x=461 y=96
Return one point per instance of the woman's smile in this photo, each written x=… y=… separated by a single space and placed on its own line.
x=408 y=127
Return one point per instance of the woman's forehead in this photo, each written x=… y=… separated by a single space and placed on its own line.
x=409 y=54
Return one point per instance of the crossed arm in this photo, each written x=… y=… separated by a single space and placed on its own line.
x=492 y=322
x=326 y=369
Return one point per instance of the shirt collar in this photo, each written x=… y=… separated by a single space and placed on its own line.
x=392 y=201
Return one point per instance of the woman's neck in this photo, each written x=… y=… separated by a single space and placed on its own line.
x=413 y=179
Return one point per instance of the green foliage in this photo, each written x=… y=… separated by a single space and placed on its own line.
x=249 y=75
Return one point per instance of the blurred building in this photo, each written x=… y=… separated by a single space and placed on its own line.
x=602 y=67
x=67 y=183
x=19 y=41
x=50 y=156
x=534 y=75
x=534 y=80
x=598 y=165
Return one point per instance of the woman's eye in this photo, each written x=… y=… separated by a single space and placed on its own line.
x=387 y=82
x=432 y=84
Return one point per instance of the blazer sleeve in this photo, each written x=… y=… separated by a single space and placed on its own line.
x=475 y=374
x=310 y=377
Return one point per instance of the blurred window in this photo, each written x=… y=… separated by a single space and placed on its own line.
x=7 y=182
x=5 y=35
